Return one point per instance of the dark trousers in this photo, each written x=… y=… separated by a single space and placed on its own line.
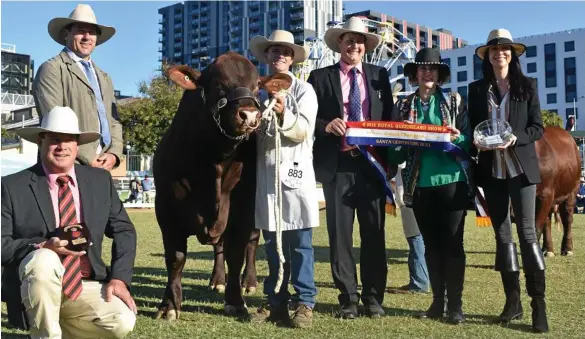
x=356 y=187
x=498 y=195
x=440 y=213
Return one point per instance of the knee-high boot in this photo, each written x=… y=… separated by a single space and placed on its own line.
x=507 y=264
x=534 y=267
x=455 y=277
x=436 y=269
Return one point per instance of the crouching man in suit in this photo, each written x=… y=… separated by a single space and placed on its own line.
x=66 y=292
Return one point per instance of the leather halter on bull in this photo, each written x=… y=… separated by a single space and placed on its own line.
x=180 y=75
x=279 y=84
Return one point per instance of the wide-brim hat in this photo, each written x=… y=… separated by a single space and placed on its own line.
x=497 y=37
x=58 y=120
x=83 y=14
x=426 y=56
x=352 y=25
x=259 y=44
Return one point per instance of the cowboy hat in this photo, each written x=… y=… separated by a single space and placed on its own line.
x=259 y=45
x=58 y=120
x=500 y=36
x=352 y=25
x=426 y=56
x=84 y=14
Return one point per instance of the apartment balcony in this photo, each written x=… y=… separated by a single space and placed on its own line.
x=254 y=4
x=294 y=28
x=296 y=4
x=297 y=16
x=235 y=29
x=255 y=24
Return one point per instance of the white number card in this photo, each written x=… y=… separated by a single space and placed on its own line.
x=291 y=174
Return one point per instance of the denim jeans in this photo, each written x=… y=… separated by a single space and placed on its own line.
x=417 y=265
x=297 y=247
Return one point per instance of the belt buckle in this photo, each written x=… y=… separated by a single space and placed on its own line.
x=354 y=152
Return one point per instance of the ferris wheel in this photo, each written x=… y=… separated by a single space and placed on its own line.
x=395 y=48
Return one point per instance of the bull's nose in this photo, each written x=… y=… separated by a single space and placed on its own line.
x=249 y=117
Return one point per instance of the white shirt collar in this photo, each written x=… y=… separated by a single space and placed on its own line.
x=76 y=57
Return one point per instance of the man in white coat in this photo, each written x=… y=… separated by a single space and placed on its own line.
x=300 y=209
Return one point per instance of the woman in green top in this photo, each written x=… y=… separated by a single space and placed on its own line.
x=436 y=183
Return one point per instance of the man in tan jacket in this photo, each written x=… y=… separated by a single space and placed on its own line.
x=72 y=79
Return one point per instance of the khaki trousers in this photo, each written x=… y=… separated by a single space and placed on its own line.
x=52 y=315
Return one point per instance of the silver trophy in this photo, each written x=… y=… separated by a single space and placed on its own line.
x=493 y=133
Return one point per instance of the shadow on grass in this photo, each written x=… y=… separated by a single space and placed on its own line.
x=7 y=326
x=321 y=254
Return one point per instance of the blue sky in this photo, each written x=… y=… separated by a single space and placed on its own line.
x=132 y=54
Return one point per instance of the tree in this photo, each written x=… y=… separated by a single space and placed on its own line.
x=551 y=119
x=146 y=119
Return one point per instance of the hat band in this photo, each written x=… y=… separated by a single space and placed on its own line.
x=500 y=41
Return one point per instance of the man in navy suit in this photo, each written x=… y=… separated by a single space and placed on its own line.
x=352 y=91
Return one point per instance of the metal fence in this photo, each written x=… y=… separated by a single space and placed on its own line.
x=138 y=164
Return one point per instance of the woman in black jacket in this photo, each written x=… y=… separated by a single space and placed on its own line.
x=511 y=172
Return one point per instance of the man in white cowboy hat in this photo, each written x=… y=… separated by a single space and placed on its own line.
x=65 y=291
x=352 y=91
x=299 y=197
x=72 y=79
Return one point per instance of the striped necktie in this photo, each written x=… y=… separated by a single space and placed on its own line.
x=355 y=102
x=67 y=216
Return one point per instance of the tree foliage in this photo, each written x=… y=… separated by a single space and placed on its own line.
x=551 y=119
x=146 y=119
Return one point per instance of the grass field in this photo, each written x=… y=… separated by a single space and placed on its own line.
x=483 y=297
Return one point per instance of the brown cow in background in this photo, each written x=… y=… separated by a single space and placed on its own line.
x=560 y=169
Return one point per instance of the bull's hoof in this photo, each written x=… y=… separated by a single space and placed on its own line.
x=168 y=315
x=236 y=310
x=217 y=288
x=249 y=290
x=567 y=253
x=549 y=254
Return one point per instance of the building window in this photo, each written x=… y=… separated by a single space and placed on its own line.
x=569 y=46
x=531 y=67
x=461 y=61
x=477 y=67
x=399 y=70
x=462 y=90
x=446 y=90
x=550 y=65
x=551 y=98
x=461 y=76
x=570 y=79
x=530 y=51
x=570 y=111
x=446 y=61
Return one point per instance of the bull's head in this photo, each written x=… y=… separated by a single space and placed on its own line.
x=229 y=89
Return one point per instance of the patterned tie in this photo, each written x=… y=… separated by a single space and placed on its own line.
x=67 y=215
x=355 y=101
x=104 y=126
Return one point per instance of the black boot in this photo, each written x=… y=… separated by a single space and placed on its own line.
x=535 y=285
x=455 y=278
x=507 y=264
x=435 y=267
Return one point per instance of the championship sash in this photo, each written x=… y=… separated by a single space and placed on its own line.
x=396 y=134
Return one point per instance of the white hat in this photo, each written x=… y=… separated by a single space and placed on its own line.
x=81 y=13
x=500 y=36
x=259 y=45
x=353 y=25
x=58 y=120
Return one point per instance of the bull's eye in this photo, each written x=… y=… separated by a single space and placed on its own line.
x=186 y=78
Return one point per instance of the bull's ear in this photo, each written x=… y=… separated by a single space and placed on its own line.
x=184 y=76
x=276 y=82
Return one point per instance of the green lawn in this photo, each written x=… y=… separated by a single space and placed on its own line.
x=483 y=296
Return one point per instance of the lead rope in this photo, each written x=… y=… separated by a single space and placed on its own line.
x=272 y=118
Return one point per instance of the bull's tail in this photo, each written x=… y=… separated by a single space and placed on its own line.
x=555 y=212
